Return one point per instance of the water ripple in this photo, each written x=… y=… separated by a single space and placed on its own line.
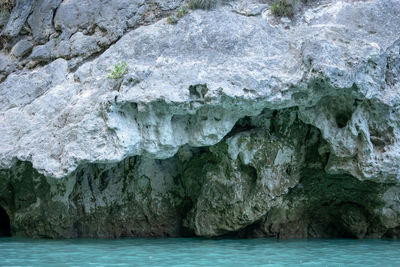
x=198 y=252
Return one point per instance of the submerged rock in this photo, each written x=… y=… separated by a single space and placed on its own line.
x=229 y=122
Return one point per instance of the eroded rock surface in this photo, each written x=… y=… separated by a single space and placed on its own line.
x=231 y=121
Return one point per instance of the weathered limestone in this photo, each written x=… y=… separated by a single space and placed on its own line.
x=243 y=176
x=230 y=121
x=17 y=18
x=136 y=197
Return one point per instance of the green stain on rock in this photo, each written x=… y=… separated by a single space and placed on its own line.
x=324 y=205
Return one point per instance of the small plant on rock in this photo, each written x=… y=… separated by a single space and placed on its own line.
x=201 y=4
x=282 y=8
x=182 y=12
x=120 y=69
x=172 y=19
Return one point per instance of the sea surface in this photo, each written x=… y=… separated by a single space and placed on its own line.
x=198 y=252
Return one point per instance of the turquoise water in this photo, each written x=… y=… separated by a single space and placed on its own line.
x=198 y=252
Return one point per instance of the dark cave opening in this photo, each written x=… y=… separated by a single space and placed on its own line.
x=5 y=228
x=242 y=125
x=345 y=220
x=329 y=206
x=342 y=119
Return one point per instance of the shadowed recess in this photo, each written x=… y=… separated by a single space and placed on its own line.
x=5 y=229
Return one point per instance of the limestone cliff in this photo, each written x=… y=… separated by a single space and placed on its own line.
x=227 y=121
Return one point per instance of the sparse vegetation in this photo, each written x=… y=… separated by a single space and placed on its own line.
x=6 y=4
x=283 y=8
x=120 y=69
x=192 y=4
x=201 y=4
x=182 y=12
x=172 y=19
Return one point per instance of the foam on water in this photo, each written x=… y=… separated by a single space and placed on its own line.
x=198 y=252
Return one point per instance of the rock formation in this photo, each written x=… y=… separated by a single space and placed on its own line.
x=231 y=121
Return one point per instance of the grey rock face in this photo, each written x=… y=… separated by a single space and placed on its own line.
x=22 y=48
x=41 y=19
x=335 y=87
x=52 y=23
x=244 y=112
x=29 y=86
x=17 y=17
x=4 y=16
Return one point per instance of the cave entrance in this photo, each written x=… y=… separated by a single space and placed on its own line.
x=5 y=228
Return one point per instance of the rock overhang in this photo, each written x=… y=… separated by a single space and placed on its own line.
x=246 y=63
